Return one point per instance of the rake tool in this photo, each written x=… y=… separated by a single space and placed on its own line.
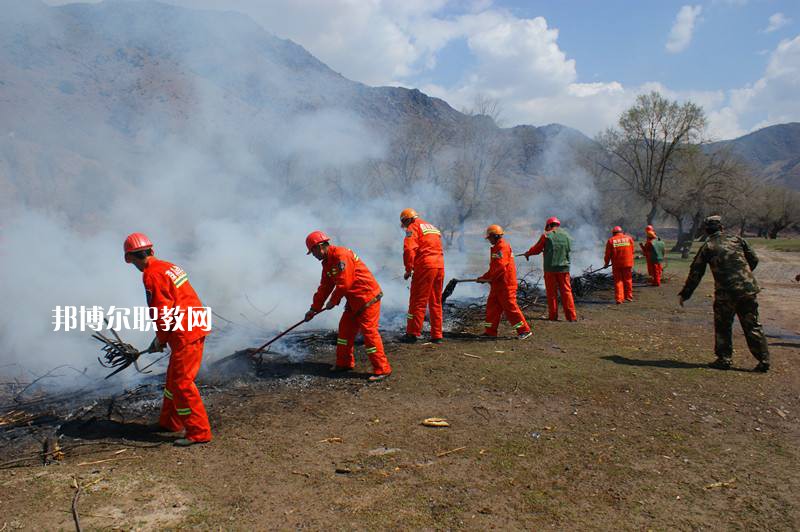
x=119 y=354
x=451 y=286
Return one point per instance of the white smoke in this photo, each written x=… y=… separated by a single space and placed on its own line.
x=226 y=186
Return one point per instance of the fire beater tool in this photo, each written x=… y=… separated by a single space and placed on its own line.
x=261 y=350
x=451 y=286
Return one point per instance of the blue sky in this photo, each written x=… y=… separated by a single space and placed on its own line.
x=576 y=62
x=624 y=39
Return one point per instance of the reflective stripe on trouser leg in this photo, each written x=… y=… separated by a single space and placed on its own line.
x=493 y=312
x=368 y=324
x=421 y=286
x=188 y=404
x=513 y=313
x=346 y=340
x=169 y=419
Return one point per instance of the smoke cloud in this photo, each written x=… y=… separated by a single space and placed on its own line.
x=223 y=144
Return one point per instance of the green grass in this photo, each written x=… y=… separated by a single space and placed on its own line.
x=779 y=244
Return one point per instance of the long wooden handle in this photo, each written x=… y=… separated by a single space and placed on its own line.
x=284 y=333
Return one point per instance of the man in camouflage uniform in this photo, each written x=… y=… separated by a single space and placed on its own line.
x=732 y=262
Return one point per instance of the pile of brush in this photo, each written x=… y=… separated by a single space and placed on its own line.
x=593 y=280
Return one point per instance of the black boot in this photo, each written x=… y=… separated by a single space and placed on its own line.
x=720 y=363
x=762 y=367
x=407 y=339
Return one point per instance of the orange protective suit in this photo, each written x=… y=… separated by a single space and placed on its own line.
x=555 y=282
x=423 y=255
x=654 y=269
x=619 y=253
x=502 y=276
x=344 y=275
x=167 y=287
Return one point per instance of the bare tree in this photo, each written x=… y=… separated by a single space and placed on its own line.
x=413 y=155
x=778 y=209
x=641 y=151
x=702 y=183
x=479 y=153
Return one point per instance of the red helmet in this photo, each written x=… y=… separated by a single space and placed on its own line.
x=552 y=221
x=136 y=242
x=314 y=238
x=617 y=229
x=649 y=228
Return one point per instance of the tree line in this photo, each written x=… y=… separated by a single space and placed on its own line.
x=660 y=156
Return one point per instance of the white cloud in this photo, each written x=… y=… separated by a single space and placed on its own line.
x=772 y=99
x=516 y=60
x=776 y=22
x=683 y=28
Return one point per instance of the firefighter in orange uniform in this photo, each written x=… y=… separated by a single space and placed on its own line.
x=345 y=276
x=171 y=300
x=502 y=279
x=424 y=262
x=556 y=243
x=619 y=253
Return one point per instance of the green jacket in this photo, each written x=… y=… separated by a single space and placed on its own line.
x=732 y=262
x=656 y=250
x=556 y=245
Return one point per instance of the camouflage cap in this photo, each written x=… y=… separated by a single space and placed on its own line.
x=713 y=221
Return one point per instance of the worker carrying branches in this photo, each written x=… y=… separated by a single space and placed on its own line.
x=555 y=243
x=502 y=279
x=424 y=264
x=170 y=296
x=344 y=275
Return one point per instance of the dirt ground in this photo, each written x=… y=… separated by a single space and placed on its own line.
x=613 y=422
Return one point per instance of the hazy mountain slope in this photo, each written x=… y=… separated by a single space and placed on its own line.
x=773 y=151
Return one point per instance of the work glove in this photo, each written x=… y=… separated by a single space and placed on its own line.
x=156 y=346
x=310 y=314
x=330 y=305
x=408 y=275
x=605 y=265
x=527 y=257
x=482 y=281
